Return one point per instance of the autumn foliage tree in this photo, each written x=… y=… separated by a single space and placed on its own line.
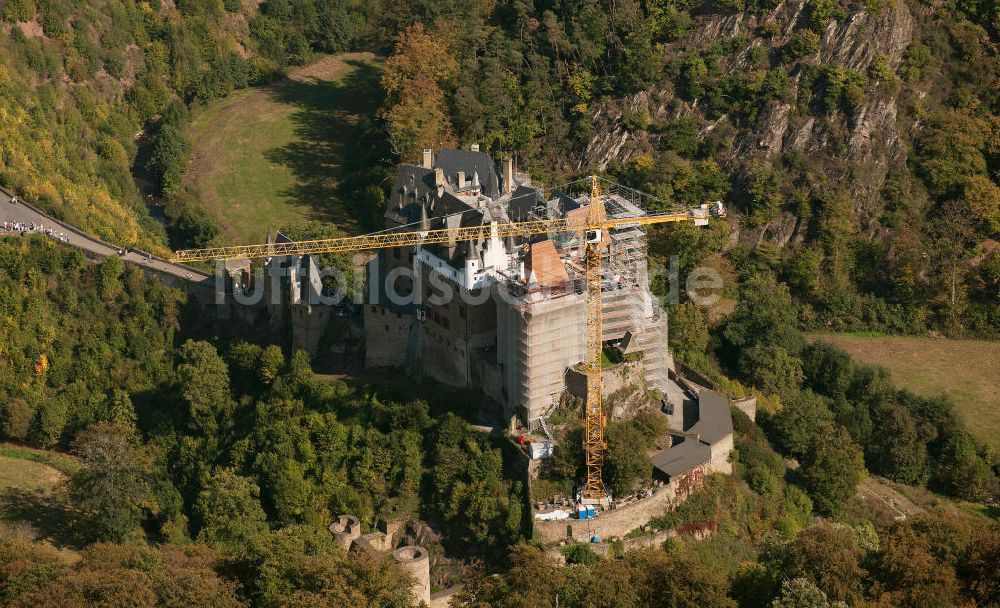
x=113 y=575
x=414 y=79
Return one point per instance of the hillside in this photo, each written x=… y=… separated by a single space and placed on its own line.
x=860 y=138
x=268 y=157
x=92 y=91
x=227 y=444
x=32 y=500
x=857 y=144
x=775 y=83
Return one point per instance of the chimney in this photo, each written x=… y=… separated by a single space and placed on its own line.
x=425 y=223
x=475 y=179
x=438 y=177
x=508 y=175
x=475 y=148
x=461 y=179
x=428 y=158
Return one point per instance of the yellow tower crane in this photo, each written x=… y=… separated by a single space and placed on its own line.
x=593 y=225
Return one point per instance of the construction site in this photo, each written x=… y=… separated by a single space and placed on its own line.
x=528 y=294
x=507 y=315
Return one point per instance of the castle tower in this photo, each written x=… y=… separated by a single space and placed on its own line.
x=415 y=561
x=345 y=530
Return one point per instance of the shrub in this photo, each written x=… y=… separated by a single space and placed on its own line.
x=580 y=553
x=802 y=44
x=19 y=10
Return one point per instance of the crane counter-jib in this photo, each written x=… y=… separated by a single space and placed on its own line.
x=383 y=240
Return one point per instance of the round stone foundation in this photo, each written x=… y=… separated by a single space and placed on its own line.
x=345 y=530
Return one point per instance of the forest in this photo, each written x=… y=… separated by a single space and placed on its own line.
x=242 y=451
x=209 y=471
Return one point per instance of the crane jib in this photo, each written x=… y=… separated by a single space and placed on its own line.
x=384 y=240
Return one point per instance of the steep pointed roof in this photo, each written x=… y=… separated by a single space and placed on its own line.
x=523 y=201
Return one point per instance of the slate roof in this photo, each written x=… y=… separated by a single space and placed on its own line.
x=413 y=186
x=566 y=203
x=714 y=424
x=629 y=344
x=714 y=419
x=471 y=162
x=681 y=458
x=414 y=196
x=524 y=200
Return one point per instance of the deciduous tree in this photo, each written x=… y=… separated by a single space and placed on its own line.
x=112 y=487
x=229 y=511
x=831 y=470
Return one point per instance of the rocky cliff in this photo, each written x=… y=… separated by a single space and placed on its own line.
x=859 y=147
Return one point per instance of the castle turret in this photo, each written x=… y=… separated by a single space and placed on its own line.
x=416 y=562
x=345 y=530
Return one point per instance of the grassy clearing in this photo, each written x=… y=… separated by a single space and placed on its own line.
x=271 y=156
x=966 y=370
x=19 y=474
x=33 y=499
x=63 y=463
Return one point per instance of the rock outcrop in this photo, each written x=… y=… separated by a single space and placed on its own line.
x=860 y=147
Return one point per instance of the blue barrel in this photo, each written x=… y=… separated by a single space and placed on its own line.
x=595 y=539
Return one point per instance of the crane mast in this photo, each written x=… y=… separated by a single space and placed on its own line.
x=594 y=444
x=595 y=226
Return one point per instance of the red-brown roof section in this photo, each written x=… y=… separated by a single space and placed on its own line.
x=544 y=265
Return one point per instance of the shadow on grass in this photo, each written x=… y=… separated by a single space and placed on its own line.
x=47 y=513
x=340 y=149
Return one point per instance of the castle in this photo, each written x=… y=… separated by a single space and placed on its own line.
x=504 y=315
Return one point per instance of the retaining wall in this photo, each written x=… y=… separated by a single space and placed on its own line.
x=613 y=522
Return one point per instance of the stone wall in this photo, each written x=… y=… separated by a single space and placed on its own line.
x=693 y=375
x=615 y=522
x=613 y=379
x=387 y=336
x=442 y=599
x=624 y=518
x=720 y=451
x=631 y=544
x=308 y=326
x=748 y=406
x=415 y=562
